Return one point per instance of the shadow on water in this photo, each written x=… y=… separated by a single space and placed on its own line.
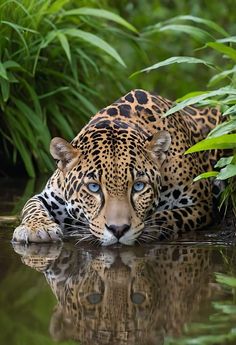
x=165 y=293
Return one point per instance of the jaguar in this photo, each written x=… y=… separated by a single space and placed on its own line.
x=125 y=177
x=126 y=295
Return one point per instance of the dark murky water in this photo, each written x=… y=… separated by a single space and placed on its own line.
x=169 y=293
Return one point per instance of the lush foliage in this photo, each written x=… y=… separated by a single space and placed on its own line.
x=49 y=51
x=59 y=63
x=221 y=90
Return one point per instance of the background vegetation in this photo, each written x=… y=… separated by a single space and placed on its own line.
x=62 y=60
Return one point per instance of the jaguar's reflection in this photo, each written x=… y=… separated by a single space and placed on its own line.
x=121 y=296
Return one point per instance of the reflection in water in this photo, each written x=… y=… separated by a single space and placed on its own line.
x=121 y=296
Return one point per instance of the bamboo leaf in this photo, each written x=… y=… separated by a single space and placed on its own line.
x=227 y=172
x=24 y=152
x=57 y=5
x=65 y=45
x=195 y=32
x=87 y=58
x=223 y=161
x=225 y=279
x=173 y=60
x=208 y=94
x=5 y=88
x=3 y=72
x=11 y=64
x=206 y=175
x=230 y=111
x=222 y=48
x=53 y=92
x=18 y=29
x=206 y=22
x=227 y=141
x=85 y=102
x=223 y=128
x=87 y=11
x=220 y=76
x=95 y=41
x=231 y=39
x=190 y=95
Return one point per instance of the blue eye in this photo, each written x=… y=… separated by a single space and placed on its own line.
x=138 y=186
x=94 y=298
x=93 y=187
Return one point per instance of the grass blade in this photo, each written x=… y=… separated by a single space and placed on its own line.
x=193 y=100
x=222 y=48
x=227 y=141
x=173 y=60
x=87 y=11
x=206 y=175
x=209 y=23
x=95 y=41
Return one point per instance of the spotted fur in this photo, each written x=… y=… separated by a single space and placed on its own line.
x=126 y=145
x=134 y=296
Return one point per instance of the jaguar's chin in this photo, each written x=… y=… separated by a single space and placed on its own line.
x=108 y=238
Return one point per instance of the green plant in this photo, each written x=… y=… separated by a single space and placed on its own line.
x=221 y=90
x=49 y=51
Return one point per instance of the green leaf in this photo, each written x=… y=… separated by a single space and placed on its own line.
x=53 y=92
x=5 y=88
x=222 y=48
x=225 y=279
x=87 y=58
x=227 y=172
x=3 y=72
x=206 y=175
x=173 y=60
x=229 y=111
x=24 y=152
x=231 y=39
x=87 y=11
x=220 y=76
x=223 y=161
x=189 y=95
x=193 y=100
x=223 y=128
x=95 y=41
x=11 y=64
x=60 y=121
x=208 y=23
x=195 y=32
x=18 y=29
x=227 y=141
x=57 y=5
x=88 y=105
x=35 y=121
x=65 y=45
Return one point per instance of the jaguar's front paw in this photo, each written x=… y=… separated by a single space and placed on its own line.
x=38 y=233
x=38 y=256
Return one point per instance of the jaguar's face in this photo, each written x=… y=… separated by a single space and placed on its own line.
x=112 y=180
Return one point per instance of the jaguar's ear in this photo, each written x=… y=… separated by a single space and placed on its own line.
x=65 y=154
x=158 y=145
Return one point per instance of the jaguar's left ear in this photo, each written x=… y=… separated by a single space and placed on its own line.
x=158 y=145
x=65 y=154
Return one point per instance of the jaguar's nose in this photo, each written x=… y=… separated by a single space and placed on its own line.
x=118 y=230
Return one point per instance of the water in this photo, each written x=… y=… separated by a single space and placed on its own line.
x=166 y=293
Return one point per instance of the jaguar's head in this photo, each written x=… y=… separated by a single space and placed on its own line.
x=112 y=178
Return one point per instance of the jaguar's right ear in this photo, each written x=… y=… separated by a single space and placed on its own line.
x=65 y=154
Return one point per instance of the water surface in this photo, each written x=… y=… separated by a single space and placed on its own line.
x=166 y=293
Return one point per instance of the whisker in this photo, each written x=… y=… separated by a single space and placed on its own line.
x=78 y=223
x=86 y=238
